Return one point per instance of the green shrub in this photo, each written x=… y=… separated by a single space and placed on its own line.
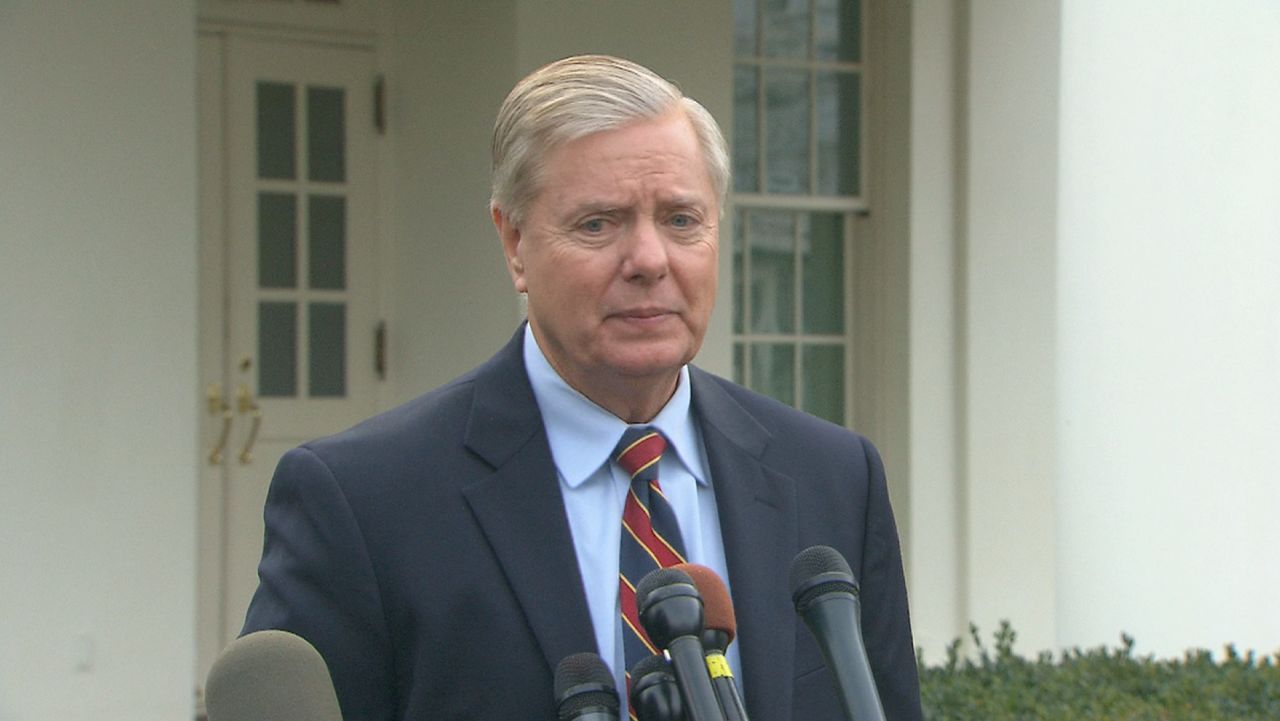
x=1101 y=683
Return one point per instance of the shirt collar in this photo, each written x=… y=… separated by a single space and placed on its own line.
x=582 y=434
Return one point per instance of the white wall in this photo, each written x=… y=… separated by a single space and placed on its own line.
x=934 y=539
x=1007 y=241
x=450 y=63
x=982 y=236
x=1169 y=370
x=97 y=360
x=1114 y=273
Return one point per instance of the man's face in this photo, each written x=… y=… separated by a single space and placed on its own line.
x=618 y=254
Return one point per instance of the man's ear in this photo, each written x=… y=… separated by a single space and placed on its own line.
x=509 y=234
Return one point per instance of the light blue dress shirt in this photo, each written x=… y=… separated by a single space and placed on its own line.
x=582 y=436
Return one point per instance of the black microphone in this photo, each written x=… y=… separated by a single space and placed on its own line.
x=826 y=597
x=585 y=690
x=671 y=613
x=654 y=693
x=719 y=628
x=270 y=676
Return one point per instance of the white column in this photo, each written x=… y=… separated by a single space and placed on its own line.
x=1007 y=256
x=936 y=544
x=1169 y=282
x=99 y=391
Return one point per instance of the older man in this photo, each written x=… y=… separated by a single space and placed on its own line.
x=445 y=556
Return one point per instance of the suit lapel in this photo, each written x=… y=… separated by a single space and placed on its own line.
x=520 y=510
x=758 y=522
x=519 y=507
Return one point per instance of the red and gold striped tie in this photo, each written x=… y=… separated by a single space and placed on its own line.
x=650 y=534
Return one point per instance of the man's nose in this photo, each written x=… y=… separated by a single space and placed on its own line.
x=646 y=255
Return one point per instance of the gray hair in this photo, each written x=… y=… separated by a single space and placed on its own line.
x=578 y=96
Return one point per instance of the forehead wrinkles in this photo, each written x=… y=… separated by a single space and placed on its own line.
x=632 y=196
x=655 y=161
x=631 y=180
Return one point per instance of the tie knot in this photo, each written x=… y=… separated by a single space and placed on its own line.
x=639 y=449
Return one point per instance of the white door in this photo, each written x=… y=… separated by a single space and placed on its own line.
x=288 y=301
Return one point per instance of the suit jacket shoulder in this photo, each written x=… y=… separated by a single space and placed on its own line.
x=784 y=481
x=411 y=546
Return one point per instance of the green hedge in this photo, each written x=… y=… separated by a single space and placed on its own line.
x=1110 y=684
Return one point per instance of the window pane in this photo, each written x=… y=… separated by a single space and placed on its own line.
x=327 y=349
x=822 y=268
x=746 y=129
x=838 y=131
x=773 y=371
x=326 y=135
x=276 y=131
x=277 y=349
x=327 y=223
x=771 y=240
x=824 y=382
x=786 y=29
x=787 y=130
x=839 y=30
x=277 y=240
x=744 y=28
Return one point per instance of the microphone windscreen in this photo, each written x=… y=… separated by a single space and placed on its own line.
x=583 y=681
x=654 y=580
x=655 y=692
x=817 y=570
x=657 y=663
x=717 y=608
x=270 y=676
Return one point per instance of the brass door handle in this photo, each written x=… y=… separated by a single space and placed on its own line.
x=219 y=406
x=247 y=404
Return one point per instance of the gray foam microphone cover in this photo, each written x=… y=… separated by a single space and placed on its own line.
x=272 y=675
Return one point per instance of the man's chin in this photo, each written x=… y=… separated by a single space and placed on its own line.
x=650 y=362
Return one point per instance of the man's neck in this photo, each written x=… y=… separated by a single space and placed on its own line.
x=634 y=401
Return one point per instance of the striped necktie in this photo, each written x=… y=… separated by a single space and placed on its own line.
x=650 y=533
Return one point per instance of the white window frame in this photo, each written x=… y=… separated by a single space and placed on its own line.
x=852 y=207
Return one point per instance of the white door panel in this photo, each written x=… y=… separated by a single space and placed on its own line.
x=288 y=303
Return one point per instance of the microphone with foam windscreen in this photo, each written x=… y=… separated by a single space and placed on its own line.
x=270 y=676
x=655 y=696
x=719 y=627
x=826 y=597
x=671 y=613
x=585 y=690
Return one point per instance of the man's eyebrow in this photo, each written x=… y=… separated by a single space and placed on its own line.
x=595 y=206
x=575 y=213
x=685 y=200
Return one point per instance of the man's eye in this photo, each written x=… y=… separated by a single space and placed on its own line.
x=682 y=220
x=594 y=225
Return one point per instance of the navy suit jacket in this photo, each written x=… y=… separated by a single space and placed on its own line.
x=427 y=555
